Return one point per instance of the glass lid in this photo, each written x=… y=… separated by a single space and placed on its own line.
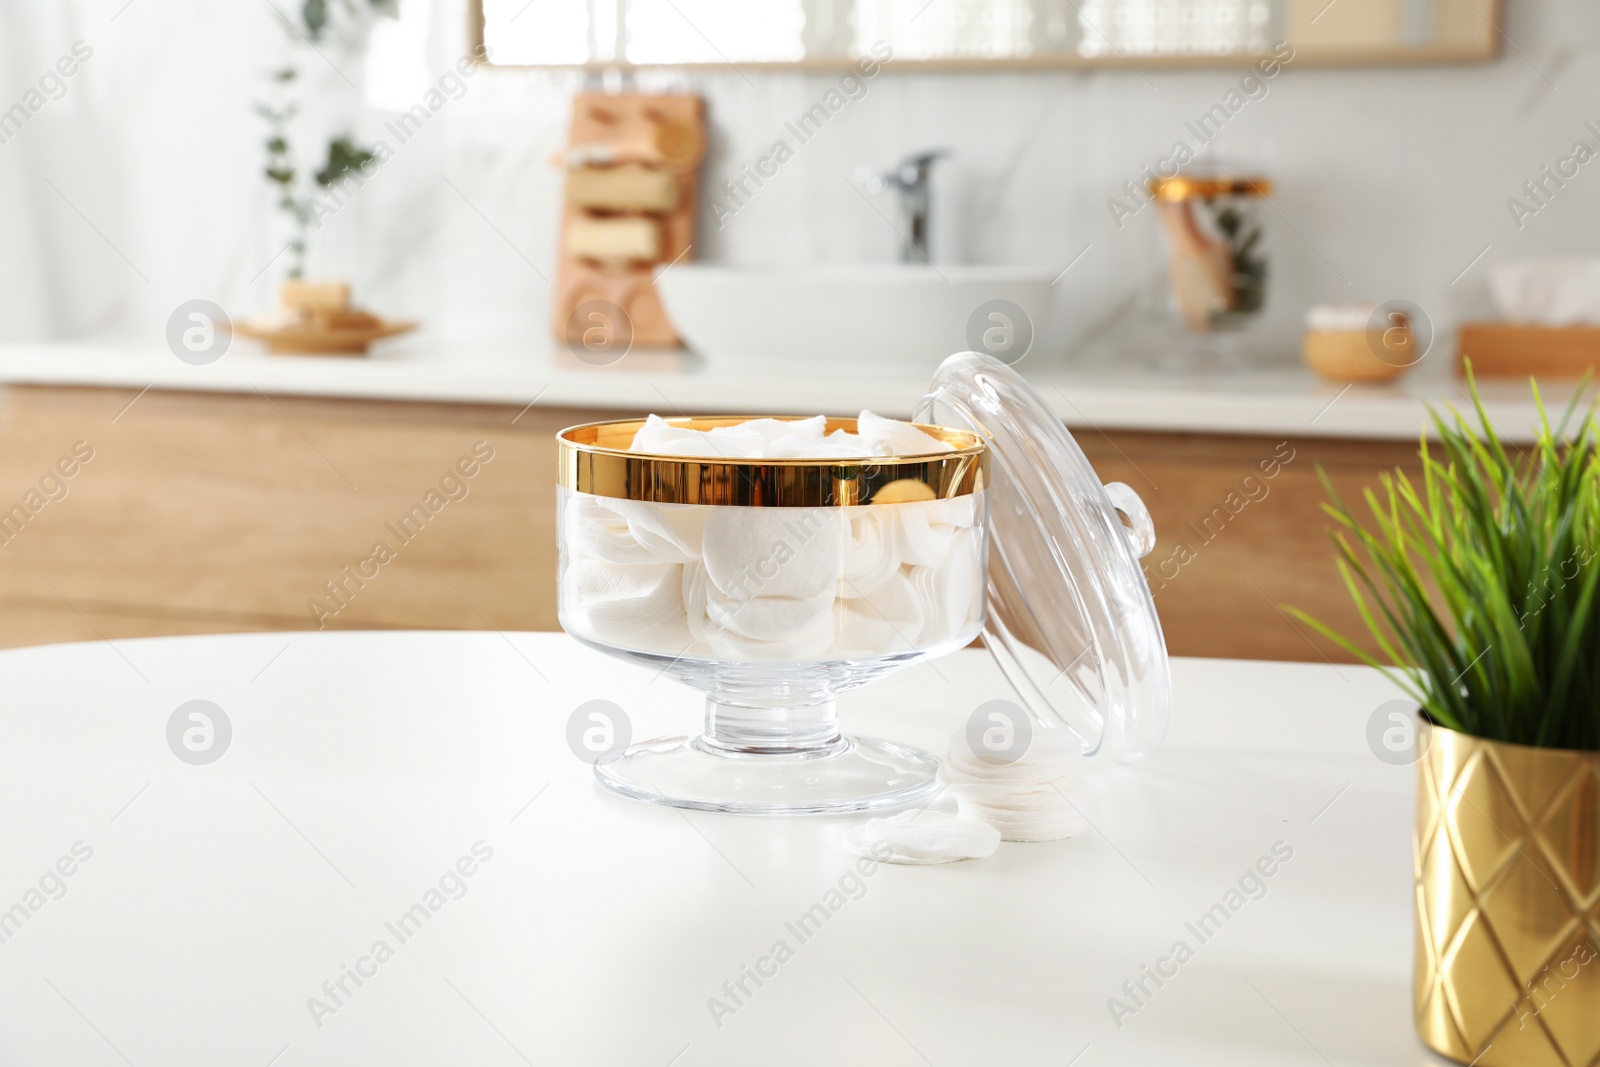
x=1070 y=617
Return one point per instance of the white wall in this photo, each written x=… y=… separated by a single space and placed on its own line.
x=1390 y=181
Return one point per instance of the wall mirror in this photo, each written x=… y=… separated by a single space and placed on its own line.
x=955 y=34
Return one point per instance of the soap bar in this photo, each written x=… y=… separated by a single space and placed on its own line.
x=630 y=187
x=618 y=240
x=315 y=296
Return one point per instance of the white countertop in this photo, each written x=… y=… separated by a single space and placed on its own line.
x=216 y=900
x=1269 y=402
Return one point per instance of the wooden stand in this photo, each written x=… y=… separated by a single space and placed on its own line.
x=662 y=133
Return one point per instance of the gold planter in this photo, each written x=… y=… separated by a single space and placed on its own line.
x=1507 y=867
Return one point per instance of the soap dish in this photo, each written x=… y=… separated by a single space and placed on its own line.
x=313 y=336
x=316 y=319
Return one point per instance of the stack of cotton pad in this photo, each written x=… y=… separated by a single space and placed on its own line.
x=922 y=837
x=1039 y=796
x=787 y=439
x=789 y=584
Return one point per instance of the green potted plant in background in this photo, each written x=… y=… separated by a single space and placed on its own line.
x=294 y=195
x=1479 y=589
x=316 y=317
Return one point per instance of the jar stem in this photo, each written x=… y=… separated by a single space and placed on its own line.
x=733 y=729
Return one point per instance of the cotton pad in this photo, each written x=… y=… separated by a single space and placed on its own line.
x=768 y=430
x=810 y=642
x=668 y=532
x=640 y=604
x=897 y=438
x=782 y=552
x=1049 y=752
x=923 y=534
x=922 y=837
x=949 y=598
x=768 y=618
x=593 y=530
x=1027 y=826
x=1038 y=796
x=888 y=619
x=787 y=439
x=661 y=437
x=870 y=558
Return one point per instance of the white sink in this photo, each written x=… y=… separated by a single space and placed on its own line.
x=868 y=316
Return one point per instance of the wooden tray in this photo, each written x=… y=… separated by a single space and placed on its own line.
x=1516 y=350
x=302 y=339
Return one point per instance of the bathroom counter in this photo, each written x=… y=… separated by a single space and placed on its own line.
x=1286 y=402
x=397 y=859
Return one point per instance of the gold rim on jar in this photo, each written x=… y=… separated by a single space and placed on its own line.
x=594 y=458
x=1179 y=189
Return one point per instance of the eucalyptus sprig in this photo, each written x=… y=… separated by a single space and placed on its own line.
x=1479 y=586
x=292 y=194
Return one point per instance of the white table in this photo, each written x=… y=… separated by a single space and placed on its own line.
x=219 y=898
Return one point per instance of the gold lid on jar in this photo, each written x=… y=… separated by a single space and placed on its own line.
x=594 y=458
x=1178 y=189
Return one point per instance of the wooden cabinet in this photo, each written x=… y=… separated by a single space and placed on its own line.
x=203 y=513
x=1240 y=532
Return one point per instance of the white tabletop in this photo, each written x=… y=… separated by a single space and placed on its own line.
x=219 y=898
x=1283 y=401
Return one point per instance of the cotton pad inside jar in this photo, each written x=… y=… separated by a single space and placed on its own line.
x=897 y=574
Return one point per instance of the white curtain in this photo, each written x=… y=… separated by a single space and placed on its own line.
x=136 y=184
x=33 y=265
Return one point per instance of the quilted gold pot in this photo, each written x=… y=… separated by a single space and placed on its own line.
x=1507 y=867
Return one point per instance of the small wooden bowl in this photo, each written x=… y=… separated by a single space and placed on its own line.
x=1344 y=356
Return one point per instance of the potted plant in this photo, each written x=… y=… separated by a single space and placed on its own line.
x=1479 y=589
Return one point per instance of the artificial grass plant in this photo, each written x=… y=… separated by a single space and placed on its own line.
x=1479 y=585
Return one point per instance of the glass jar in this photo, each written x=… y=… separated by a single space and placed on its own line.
x=774 y=585
x=1217 y=262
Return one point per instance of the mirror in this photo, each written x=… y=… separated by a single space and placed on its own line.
x=956 y=34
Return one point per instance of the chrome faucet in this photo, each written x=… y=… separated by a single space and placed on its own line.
x=912 y=178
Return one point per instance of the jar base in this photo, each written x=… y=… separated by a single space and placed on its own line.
x=855 y=774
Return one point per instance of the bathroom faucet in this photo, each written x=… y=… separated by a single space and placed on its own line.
x=911 y=177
